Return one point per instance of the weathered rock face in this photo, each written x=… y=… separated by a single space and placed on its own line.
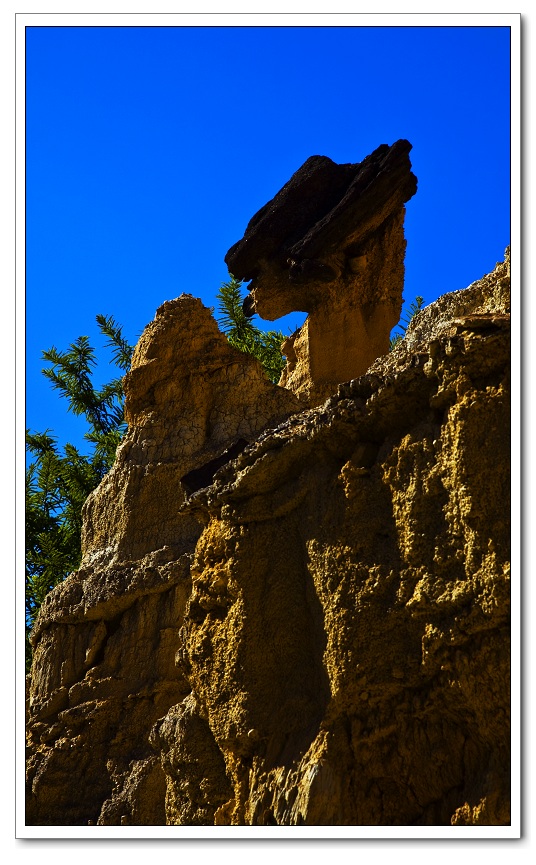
x=105 y=642
x=347 y=634
x=333 y=647
x=331 y=243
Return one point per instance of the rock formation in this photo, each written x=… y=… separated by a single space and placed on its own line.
x=331 y=243
x=189 y=397
x=320 y=636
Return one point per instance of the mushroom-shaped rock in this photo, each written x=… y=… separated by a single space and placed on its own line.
x=331 y=243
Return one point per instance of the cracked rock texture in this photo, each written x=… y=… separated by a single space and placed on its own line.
x=318 y=637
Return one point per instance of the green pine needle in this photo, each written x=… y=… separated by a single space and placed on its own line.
x=59 y=482
x=414 y=307
x=244 y=335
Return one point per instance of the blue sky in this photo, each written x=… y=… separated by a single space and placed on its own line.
x=148 y=150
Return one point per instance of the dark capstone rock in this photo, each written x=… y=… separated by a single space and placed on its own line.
x=319 y=207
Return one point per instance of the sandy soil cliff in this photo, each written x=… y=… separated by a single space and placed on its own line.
x=318 y=633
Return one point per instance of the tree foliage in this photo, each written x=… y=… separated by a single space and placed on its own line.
x=244 y=335
x=59 y=481
x=414 y=307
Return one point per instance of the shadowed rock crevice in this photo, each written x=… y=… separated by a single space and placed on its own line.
x=286 y=689
x=203 y=476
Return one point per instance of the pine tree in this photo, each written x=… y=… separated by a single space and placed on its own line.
x=405 y=321
x=57 y=484
x=244 y=335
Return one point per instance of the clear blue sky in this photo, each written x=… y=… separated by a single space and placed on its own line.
x=149 y=149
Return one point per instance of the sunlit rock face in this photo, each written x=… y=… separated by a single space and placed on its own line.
x=347 y=634
x=331 y=243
